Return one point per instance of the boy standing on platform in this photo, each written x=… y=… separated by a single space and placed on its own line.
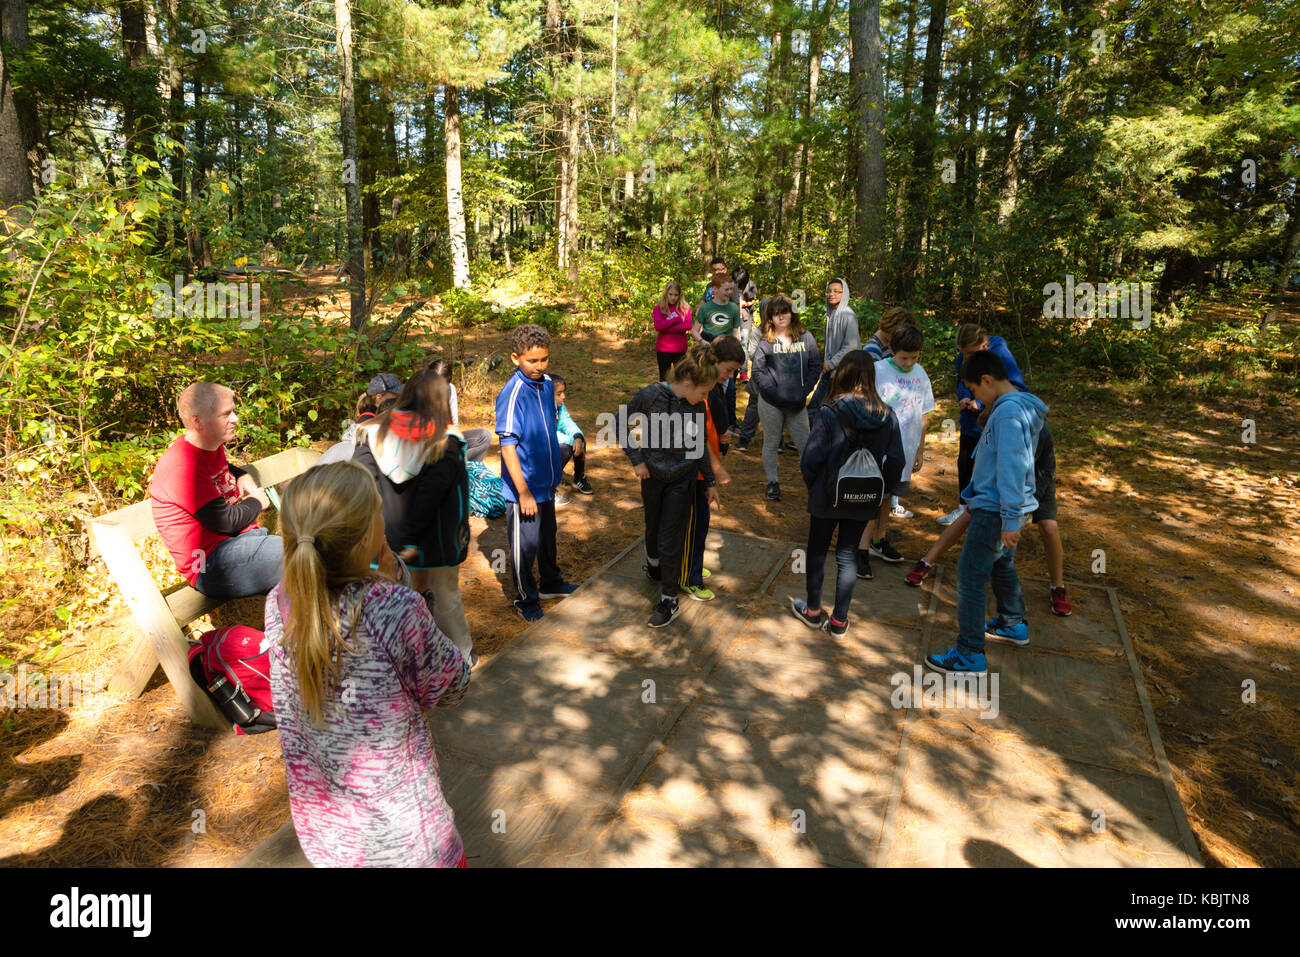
x=531 y=469
x=999 y=498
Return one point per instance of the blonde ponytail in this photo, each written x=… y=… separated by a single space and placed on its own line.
x=327 y=517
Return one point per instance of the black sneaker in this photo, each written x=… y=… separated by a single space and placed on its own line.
x=836 y=629
x=789 y=447
x=742 y=445
x=529 y=612
x=665 y=611
x=583 y=486
x=799 y=608
x=773 y=492
x=652 y=572
x=864 y=565
x=884 y=550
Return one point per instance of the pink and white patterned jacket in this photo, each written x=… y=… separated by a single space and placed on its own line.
x=364 y=788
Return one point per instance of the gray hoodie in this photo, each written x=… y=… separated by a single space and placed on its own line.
x=842 y=335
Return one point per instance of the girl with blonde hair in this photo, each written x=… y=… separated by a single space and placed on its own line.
x=672 y=316
x=355 y=661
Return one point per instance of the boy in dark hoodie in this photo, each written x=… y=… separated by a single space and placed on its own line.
x=842 y=337
x=855 y=418
x=531 y=469
x=1000 y=497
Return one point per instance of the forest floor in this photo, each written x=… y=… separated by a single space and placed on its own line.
x=1195 y=529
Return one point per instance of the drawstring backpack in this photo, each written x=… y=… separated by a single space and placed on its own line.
x=859 y=484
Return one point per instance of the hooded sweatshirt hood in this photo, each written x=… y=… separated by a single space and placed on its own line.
x=1003 y=478
x=842 y=334
x=401 y=454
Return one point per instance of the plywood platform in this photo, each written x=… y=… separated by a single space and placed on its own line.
x=739 y=736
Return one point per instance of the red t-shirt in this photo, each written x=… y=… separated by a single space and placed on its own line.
x=186 y=479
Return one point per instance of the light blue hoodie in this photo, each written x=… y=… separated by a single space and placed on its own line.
x=1003 y=480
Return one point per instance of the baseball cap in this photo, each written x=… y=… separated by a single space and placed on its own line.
x=384 y=382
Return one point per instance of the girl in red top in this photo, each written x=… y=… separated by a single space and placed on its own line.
x=673 y=323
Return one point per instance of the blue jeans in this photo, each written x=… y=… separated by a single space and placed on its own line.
x=819 y=396
x=846 y=561
x=984 y=557
x=247 y=564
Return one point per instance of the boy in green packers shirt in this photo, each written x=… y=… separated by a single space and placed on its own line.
x=719 y=316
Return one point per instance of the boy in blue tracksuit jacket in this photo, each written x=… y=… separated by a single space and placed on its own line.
x=531 y=468
x=1000 y=497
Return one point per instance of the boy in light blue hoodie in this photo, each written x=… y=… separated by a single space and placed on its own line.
x=1000 y=497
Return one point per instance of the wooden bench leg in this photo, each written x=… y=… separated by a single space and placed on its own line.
x=136 y=669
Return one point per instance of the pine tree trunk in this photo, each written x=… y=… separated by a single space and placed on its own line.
x=868 y=94
x=455 y=200
x=17 y=183
x=351 y=178
x=922 y=172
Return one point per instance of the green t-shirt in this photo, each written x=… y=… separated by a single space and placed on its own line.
x=718 y=320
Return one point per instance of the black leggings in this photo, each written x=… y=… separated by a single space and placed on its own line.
x=665 y=360
x=667 y=514
x=965 y=464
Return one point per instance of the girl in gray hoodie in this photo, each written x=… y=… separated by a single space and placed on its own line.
x=842 y=337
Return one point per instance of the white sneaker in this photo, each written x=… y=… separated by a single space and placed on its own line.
x=952 y=516
x=561 y=499
x=899 y=512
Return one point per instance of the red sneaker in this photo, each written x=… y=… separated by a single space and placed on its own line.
x=918 y=572
x=1060 y=602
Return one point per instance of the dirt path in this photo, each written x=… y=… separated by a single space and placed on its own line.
x=1200 y=539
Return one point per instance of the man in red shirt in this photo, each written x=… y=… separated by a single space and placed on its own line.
x=206 y=509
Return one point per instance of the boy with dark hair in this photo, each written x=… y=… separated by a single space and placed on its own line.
x=531 y=469
x=573 y=444
x=718 y=276
x=999 y=497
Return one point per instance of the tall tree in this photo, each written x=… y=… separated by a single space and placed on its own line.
x=868 y=96
x=455 y=198
x=351 y=179
x=17 y=137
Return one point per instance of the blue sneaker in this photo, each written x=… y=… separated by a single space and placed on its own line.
x=562 y=590
x=994 y=630
x=956 y=662
x=529 y=612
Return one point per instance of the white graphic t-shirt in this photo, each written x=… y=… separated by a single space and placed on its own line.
x=910 y=395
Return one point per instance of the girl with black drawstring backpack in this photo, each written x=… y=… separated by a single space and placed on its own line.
x=854 y=455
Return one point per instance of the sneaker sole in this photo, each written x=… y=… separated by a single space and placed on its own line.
x=954 y=671
x=701 y=597
x=912 y=583
x=677 y=612
x=886 y=558
x=545 y=596
x=994 y=636
x=1061 y=614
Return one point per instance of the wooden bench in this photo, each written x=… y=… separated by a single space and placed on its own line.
x=163 y=615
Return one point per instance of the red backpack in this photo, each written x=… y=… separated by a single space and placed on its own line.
x=233 y=666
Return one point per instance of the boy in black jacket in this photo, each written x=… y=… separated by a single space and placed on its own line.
x=672 y=449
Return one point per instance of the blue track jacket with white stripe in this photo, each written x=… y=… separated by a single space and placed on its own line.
x=526 y=419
